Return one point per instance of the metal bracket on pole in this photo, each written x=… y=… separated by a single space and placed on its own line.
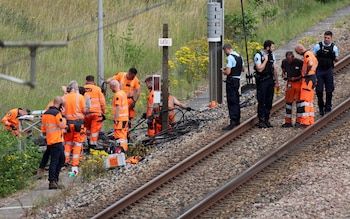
x=33 y=46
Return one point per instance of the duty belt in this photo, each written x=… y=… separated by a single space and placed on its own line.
x=231 y=79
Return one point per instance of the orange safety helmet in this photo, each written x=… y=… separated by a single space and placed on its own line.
x=213 y=104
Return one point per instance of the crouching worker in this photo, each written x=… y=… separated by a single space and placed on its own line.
x=52 y=127
x=11 y=121
x=120 y=114
x=153 y=110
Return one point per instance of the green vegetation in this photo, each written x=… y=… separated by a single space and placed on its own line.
x=16 y=166
x=131 y=33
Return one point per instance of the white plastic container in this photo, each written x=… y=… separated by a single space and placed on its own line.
x=115 y=160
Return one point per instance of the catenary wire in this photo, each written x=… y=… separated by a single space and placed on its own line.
x=119 y=17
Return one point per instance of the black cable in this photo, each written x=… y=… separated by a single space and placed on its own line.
x=178 y=129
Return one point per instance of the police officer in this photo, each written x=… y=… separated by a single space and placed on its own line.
x=233 y=70
x=326 y=53
x=266 y=80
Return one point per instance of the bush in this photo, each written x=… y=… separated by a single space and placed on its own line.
x=93 y=165
x=16 y=166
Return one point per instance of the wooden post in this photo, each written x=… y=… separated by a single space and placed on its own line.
x=165 y=84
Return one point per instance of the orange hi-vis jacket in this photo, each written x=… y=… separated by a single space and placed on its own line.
x=150 y=104
x=74 y=105
x=151 y=107
x=308 y=55
x=97 y=98
x=307 y=91
x=11 y=118
x=120 y=99
x=128 y=86
x=52 y=125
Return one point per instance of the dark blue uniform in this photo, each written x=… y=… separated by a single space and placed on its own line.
x=265 y=88
x=232 y=87
x=326 y=55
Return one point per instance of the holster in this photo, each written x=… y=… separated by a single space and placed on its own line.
x=259 y=77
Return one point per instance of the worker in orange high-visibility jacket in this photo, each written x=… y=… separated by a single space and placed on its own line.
x=52 y=127
x=131 y=86
x=120 y=114
x=291 y=73
x=95 y=115
x=308 y=84
x=11 y=121
x=75 y=109
x=153 y=110
x=150 y=106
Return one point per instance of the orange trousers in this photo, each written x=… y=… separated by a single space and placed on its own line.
x=93 y=124
x=131 y=110
x=73 y=143
x=307 y=93
x=292 y=94
x=156 y=128
x=121 y=134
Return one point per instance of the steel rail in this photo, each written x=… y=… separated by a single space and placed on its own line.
x=264 y=162
x=187 y=163
x=276 y=154
x=182 y=166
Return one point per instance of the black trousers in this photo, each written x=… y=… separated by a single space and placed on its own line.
x=325 y=81
x=57 y=160
x=232 y=95
x=265 y=92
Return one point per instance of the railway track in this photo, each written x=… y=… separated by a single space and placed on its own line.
x=219 y=183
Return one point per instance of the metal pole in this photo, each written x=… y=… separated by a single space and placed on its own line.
x=165 y=93
x=32 y=66
x=220 y=61
x=215 y=52
x=33 y=46
x=100 y=60
x=213 y=76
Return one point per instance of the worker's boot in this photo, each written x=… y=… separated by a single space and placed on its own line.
x=40 y=171
x=53 y=185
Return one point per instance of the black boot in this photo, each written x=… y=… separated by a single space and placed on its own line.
x=262 y=123
x=232 y=125
x=268 y=124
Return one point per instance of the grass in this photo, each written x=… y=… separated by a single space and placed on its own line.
x=58 y=66
x=131 y=37
x=39 y=20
